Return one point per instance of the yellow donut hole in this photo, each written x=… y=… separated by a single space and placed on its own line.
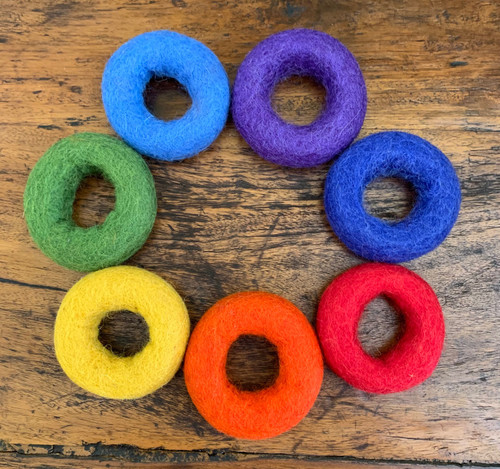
x=93 y=367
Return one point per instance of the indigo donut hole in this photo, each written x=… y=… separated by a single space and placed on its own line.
x=381 y=326
x=389 y=198
x=299 y=99
x=123 y=333
x=166 y=98
x=252 y=363
x=95 y=198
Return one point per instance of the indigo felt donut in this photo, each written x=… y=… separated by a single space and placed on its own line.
x=392 y=154
x=95 y=368
x=50 y=193
x=270 y=411
x=301 y=52
x=414 y=357
x=164 y=54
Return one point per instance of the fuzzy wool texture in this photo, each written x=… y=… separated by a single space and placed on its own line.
x=50 y=193
x=96 y=369
x=302 y=52
x=401 y=155
x=415 y=356
x=163 y=54
x=270 y=411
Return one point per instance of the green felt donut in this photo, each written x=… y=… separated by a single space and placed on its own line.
x=50 y=193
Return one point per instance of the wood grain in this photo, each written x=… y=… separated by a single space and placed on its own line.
x=230 y=221
x=199 y=461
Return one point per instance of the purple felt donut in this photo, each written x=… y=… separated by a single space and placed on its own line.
x=301 y=52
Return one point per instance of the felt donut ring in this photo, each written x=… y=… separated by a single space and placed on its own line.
x=165 y=54
x=50 y=193
x=414 y=357
x=267 y=412
x=96 y=369
x=392 y=154
x=301 y=52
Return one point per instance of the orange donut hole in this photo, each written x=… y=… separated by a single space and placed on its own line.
x=253 y=414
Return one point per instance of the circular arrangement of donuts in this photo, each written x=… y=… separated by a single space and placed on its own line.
x=302 y=349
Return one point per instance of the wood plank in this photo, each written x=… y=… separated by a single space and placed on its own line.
x=230 y=221
x=199 y=461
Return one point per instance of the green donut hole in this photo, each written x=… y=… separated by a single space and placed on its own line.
x=94 y=199
x=50 y=194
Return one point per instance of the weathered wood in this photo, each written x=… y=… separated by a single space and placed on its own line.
x=230 y=221
x=198 y=461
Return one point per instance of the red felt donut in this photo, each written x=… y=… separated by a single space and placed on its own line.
x=270 y=411
x=412 y=360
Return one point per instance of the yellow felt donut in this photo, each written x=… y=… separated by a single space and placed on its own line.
x=93 y=367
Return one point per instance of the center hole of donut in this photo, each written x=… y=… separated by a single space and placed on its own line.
x=166 y=98
x=252 y=363
x=94 y=199
x=380 y=327
x=390 y=199
x=124 y=333
x=299 y=100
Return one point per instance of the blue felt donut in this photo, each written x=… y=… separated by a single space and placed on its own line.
x=173 y=55
x=392 y=154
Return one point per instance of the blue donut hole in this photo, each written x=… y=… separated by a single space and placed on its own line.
x=389 y=198
x=166 y=98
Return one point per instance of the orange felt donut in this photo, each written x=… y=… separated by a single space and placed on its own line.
x=267 y=412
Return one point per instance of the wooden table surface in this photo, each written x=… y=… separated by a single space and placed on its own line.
x=230 y=221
